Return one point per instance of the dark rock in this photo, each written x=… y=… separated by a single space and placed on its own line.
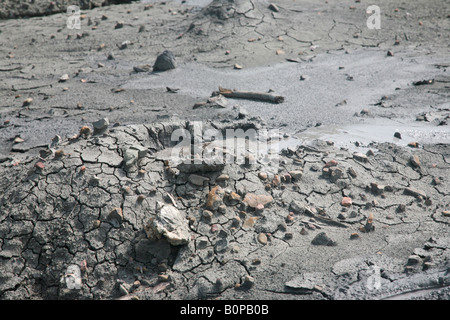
x=165 y=61
x=322 y=239
x=100 y=126
x=415 y=192
x=274 y=7
x=115 y=216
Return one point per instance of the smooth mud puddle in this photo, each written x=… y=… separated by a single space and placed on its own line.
x=314 y=100
x=306 y=102
x=348 y=136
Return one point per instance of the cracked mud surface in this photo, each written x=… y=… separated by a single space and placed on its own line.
x=341 y=216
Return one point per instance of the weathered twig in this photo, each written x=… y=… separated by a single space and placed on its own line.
x=250 y=95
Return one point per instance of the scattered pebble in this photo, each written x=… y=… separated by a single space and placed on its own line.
x=248 y=281
x=27 y=102
x=274 y=7
x=165 y=61
x=262 y=238
x=39 y=165
x=64 y=78
x=346 y=202
x=414 y=161
x=303 y=231
x=249 y=222
x=322 y=239
x=116 y=214
x=262 y=175
x=18 y=140
x=354 y=236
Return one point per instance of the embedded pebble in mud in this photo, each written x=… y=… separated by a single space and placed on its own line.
x=215 y=198
x=262 y=238
x=253 y=200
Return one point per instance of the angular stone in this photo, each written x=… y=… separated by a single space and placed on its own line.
x=253 y=200
x=115 y=216
x=197 y=180
x=39 y=165
x=274 y=7
x=322 y=239
x=130 y=157
x=248 y=282
x=64 y=77
x=297 y=207
x=215 y=198
x=207 y=214
x=100 y=126
x=346 y=202
x=250 y=222
x=85 y=131
x=360 y=157
x=223 y=177
x=27 y=102
x=414 y=260
x=233 y=198
x=352 y=172
x=368 y=227
x=354 y=236
x=296 y=174
x=335 y=174
x=414 y=161
x=169 y=223
x=376 y=188
x=18 y=140
x=142 y=151
x=165 y=61
x=415 y=192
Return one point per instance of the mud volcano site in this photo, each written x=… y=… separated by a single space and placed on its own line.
x=225 y=150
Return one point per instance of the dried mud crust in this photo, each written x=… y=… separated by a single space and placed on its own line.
x=78 y=204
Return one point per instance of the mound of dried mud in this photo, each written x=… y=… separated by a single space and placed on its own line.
x=110 y=213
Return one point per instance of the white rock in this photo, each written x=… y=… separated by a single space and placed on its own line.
x=169 y=223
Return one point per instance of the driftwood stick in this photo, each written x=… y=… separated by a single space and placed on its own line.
x=250 y=95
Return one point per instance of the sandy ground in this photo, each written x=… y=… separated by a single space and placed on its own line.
x=339 y=83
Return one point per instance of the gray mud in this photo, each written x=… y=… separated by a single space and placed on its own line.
x=355 y=206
